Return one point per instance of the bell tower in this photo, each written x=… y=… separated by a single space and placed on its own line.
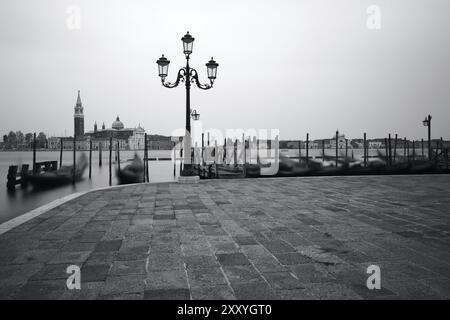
x=78 y=118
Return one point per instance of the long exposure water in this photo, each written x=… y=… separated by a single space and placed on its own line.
x=21 y=201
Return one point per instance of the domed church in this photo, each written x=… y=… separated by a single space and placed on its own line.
x=129 y=138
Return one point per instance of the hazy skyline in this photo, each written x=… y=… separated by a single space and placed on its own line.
x=296 y=66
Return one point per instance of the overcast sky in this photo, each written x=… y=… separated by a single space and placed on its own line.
x=298 y=66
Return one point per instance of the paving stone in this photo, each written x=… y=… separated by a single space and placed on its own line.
x=206 y=277
x=200 y=239
x=311 y=273
x=51 y=272
x=283 y=280
x=240 y=274
x=108 y=246
x=42 y=290
x=244 y=240
x=129 y=267
x=201 y=262
x=88 y=291
x=123 y=284
x=167 y=294
x=219 y=292
x=133 y=253
x=70 y=257
x=254 y=291
x=292 y=258
x=35 y=256
x=94 y=273
x=232 y=259
x=168 y=279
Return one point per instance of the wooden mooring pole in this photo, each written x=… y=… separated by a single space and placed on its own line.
x=387 y=151
x=244 y=151
x=181 y=161
x=307 y=149
x=407 y=150
x=323 y=149
x=147 y=170
x=90 y=158
x=365 y=149
x=34 y=152
x=174 y=161
x=299 y=151
x=74 y=157
x=337 y=146
x=423 y=151
x=203 y=149
x=110 y=160
x=413 y=151
x=60 y=152
x=404 y=148
x=99 y=154
x=390 y=149
x=346 y=149
x=118 y=155
x=395 y=147
x=235 y=159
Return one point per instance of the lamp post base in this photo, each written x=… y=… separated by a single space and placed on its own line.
x=188 y=171
x=189 y=179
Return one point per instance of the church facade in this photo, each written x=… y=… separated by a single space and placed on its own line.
x=128 y=138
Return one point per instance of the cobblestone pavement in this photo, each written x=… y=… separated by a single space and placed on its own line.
x=280 y=238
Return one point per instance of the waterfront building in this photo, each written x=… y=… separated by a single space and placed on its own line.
x=132 y=138
x=341 y=141
x=78 y=118
x=128 y=138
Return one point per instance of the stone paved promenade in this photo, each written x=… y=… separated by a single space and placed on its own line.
x=284 y=238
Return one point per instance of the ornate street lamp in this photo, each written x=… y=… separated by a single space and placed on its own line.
x=427 y=123
x=187 y=75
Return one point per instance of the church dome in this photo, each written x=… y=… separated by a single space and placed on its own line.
x=117 y=125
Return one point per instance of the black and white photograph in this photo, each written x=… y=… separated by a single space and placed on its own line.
x=301 y=153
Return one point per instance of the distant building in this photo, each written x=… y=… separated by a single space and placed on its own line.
x=341 y=141
x=78 y=118
x=128 y=138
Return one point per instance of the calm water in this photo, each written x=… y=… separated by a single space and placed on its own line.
x=15 y=204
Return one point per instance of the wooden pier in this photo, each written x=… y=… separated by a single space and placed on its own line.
x=19 y=177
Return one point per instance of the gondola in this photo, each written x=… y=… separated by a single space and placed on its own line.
x=59 y=177
x=132 y=173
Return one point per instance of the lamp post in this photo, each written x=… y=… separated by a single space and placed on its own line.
x=427 y=123
x=187 y=75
